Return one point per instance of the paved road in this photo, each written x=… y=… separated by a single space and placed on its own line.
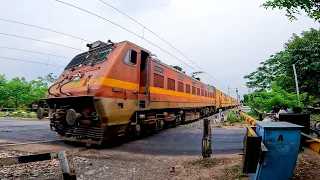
x=182 y=141
x=25 y=130
x=174 y=141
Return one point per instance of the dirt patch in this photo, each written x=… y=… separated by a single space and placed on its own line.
x=111 y=164
x=308 y=166
x=135 y=166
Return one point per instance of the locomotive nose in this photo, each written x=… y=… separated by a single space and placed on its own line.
x=72 y=116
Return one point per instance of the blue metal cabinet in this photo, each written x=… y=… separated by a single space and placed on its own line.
x=282 y=140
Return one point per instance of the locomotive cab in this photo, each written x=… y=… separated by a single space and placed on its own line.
x=97 y=93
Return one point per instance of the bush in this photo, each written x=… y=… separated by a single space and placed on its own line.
x=232 y=117
x=315 y=117
x=3 y=115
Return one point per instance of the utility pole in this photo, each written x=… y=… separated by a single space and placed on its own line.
x=228 y=91
x=237 y=93
x=296 y=79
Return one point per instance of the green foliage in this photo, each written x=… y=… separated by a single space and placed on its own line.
x=264 y=100
x=253 y=114
x=20 y=93
x=304 y=52
x=315 y=117
x=233 y=118
x=19 y=115
x=293 y=7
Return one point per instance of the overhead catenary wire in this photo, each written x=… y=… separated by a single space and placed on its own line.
x=42 y=41
x=152 y=32
x=89 y=12
x=46 y=29
x=35 y=52
x=105 y=19
x=35 y=62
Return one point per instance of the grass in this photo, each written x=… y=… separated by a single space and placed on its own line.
x=19 y=115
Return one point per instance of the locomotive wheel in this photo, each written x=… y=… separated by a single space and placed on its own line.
x=137 y=130
x=40 y=113
x=160 y=125
x=177 y=121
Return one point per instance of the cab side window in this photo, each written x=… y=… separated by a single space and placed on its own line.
x=131 y=57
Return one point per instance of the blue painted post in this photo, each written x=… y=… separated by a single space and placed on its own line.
x=282 y=139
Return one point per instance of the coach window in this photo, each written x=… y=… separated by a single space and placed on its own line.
x=188 y=88
x=202 y=92
x=171 y=84
x=180 y=86
x=205 y=93
x=193 y=90
x=158 y=80
x=131 y=57
x=198 y=91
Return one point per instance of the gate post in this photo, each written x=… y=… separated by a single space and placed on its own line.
x=67 y=166
x=206 y=139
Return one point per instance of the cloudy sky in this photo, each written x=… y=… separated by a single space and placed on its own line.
x=227 y=39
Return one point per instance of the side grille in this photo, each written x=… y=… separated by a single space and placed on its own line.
x=80 y=132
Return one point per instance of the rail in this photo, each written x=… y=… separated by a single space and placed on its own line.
x=309 y=142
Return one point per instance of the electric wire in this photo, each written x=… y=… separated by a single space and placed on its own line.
x=46 y=29
x=47 y=42
x=35 y=62
x=152 y=32
x=36 y=52
x=96 y=15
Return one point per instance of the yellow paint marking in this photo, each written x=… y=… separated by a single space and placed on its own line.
x=118 y=83
x=131 y=86
x=105 y=82
x=170 y=92
x=175 y=93
x=251 y=132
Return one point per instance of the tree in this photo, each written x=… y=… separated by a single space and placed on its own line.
x=20 y=93
x=293 y=7
x=3 y=91
x=18 y=90
x=304 y=52
x=264 y=100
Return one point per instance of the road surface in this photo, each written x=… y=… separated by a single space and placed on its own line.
x=174 y=141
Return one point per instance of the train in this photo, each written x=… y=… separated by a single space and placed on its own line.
x=121 y=89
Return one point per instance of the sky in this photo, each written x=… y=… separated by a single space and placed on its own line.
x=227 y=39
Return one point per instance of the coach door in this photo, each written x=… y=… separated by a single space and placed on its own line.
x=143 y=80
x=143 y=83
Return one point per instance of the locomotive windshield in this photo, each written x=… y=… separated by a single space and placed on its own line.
x=91 y=57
